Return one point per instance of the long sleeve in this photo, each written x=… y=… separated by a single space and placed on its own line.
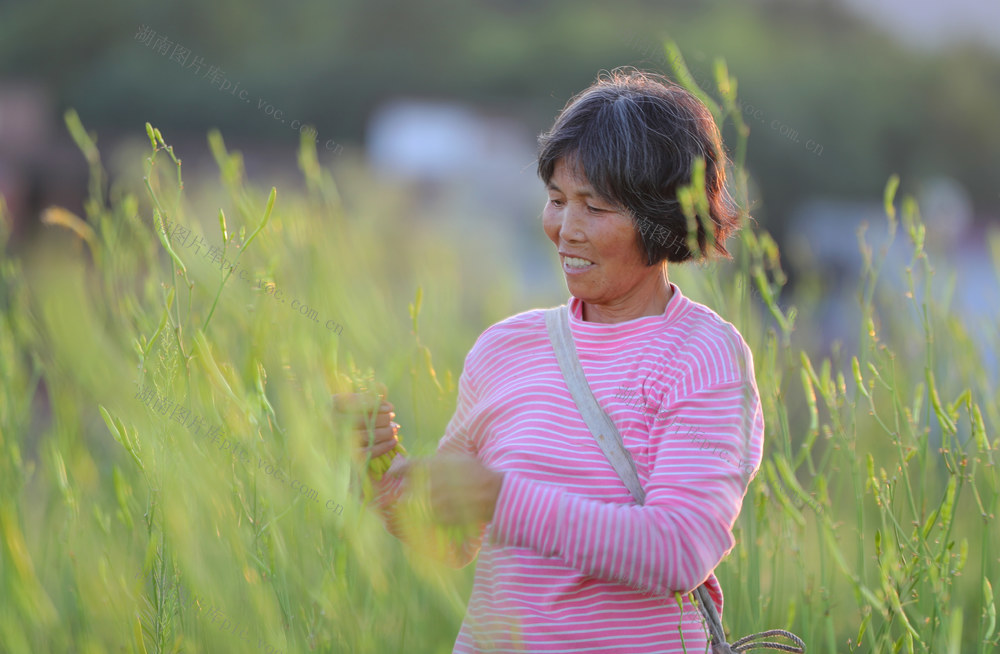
x=703 y=451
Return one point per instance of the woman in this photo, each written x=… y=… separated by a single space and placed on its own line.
x=568 y=562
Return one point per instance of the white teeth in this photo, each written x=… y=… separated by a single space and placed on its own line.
x=574 y=262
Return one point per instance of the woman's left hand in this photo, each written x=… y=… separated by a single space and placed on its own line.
x=462 y=490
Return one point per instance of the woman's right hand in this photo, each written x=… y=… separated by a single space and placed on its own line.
x=360 y=405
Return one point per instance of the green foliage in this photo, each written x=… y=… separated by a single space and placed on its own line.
x=872 y=526
x=841 y=104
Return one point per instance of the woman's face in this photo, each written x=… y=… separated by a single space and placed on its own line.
x=597 y=245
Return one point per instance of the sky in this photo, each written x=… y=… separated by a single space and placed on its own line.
x=934 y=23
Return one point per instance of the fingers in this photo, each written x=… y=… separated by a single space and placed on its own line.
x=369 y=416
x=381 y=439
x=384 y=428
x=382 y=419
x=385 y=439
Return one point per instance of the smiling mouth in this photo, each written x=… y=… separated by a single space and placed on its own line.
x=576 y=264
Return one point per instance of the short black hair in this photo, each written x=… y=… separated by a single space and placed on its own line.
x=637 y=136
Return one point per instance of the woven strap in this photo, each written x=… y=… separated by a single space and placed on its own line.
x=610 y=440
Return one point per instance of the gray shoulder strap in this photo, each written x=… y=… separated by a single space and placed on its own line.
x=598 y=421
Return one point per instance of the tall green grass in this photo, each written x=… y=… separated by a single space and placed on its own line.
x=872 y=526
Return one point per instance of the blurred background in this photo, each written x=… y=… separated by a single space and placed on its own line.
x=422 y=192
x=446 y=99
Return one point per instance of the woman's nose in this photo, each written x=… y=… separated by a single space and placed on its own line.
x=571 y=228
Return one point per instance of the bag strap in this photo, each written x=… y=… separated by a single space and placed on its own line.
x=610 y=440
x=599 y=423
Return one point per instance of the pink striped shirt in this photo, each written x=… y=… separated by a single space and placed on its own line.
x=570 y=563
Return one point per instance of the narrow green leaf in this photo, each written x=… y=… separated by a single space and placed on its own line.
x=222 y=226
x=989 y=609
x=149 y=133
x=889 y=195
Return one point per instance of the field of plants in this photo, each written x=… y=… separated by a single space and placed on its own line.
x=173 y=477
